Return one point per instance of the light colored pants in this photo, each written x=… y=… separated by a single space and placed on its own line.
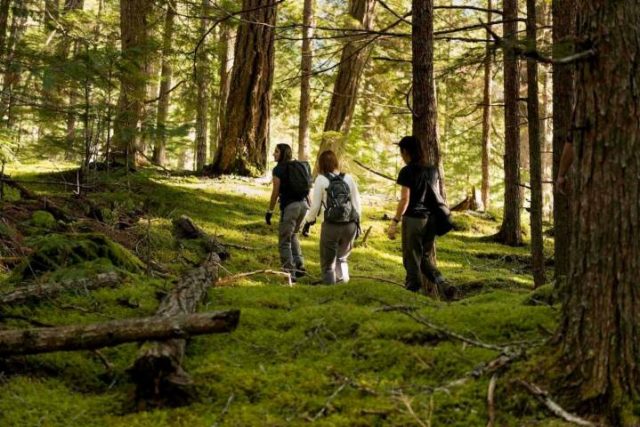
x=288 y=244
x=336 y=242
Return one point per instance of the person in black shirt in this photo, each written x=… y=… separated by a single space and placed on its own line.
x=416 y=211
x=292 y=213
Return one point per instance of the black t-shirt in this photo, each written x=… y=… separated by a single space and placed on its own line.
x=417 y=178
x=280 y=172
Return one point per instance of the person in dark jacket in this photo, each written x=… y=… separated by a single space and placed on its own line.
x=419 y=209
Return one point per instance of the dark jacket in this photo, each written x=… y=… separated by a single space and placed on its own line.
x=439 y=210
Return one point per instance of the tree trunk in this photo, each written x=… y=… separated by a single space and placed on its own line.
x=305 y=80
x=245 y=131
x=510 y=233
x=563 y=95
x=108 y=334
x=355 y=55
x=535 y=161
x=225 y=64
x=601 y=312
x=149 y=109
x=546 y=124
x=4 y=19
x=133 y=29
x=202 y=87
x=12 y=69
x=159 y=149
x=486 y=118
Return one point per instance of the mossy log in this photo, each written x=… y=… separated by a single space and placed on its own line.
x=38 y=292
x=59 y=213
x=98 y=335
x=157 y=371
x=185 y=228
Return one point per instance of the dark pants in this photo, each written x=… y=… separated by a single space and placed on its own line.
x=418 y=236
x=336 y=242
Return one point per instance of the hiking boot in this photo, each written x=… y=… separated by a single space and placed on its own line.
x=446 y=291
x=299 y=272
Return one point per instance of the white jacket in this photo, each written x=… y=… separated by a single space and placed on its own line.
x=319 y=196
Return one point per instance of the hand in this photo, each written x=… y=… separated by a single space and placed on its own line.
x=392 y=230
x=306 y=227
x=267 y=217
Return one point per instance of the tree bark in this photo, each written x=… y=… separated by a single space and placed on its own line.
x=39 y=292
x=133 y=29
x=4 y=19
x=535 y=155
x=160 y=146
x=510 y=233
x=202 y=87
x=12 y=69
x=225 y=65
x=306 y=64
x=563 y=96
x=245 y=131
x=108 y=334
x=600 y=322
x=486 y=118
x=353 y=60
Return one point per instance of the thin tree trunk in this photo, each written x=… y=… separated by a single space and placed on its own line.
x=133 y=29
x=4 y=19
x=225 y=64
x=546 y=128
x=305 y=80
x=486 y=118
x=160 y=146
x=13 y=69
x=202 y=102
x=245 y=130
x=535 y=161
x=563 y=95
x=510 y=233
x=355 y=55
x=600 y=322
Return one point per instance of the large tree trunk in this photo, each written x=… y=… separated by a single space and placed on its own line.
x=563 y=95
x=4 y=19
x=601 y=312
x=12 y=69
x=535 y=160
x=133 y=29
x=305 y=80
x=510 y=233
x=245 y=131
x=160 y=146
x=202 y=87
x=486 y=118
x=108 y=334
x=355 y=55
x=225 y=64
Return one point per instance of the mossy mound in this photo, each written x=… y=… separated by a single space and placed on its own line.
x=43 y=219
x=57 y=251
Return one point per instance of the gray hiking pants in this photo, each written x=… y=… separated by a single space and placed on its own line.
x=288 y=244
x=418 y=237
x=336 y=242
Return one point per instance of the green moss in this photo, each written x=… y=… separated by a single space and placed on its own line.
x=43 y=219
x=546 y=294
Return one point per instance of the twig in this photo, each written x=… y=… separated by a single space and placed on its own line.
x=324 y=408
x=556 y=409
x=108 y=365
x=490 y=400
x=485 y=368
x=380 y=279
x=224 y=410
x=357 y=162
x=235 y=277
x=363 y=242
x=246 y=248
x=406 y=401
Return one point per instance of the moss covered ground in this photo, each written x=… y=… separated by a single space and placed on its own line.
x=327 y=355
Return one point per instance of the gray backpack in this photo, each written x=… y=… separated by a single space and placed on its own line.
x=338 y=208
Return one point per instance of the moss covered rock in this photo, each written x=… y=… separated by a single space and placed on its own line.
x=43 y=219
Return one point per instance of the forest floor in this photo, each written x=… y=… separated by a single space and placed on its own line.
x=353 y=354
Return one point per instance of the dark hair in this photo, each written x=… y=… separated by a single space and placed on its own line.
x=327 y=162
x=285 y=153
x=412 y=146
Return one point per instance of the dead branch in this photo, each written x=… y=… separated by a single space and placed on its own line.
x=363 y=242
x=58 y=213
x=379 y=279
x=185 y=228
x=230 y=279
x=38 y=292
x=108 y=334
x=491 y=409
x=556 y=409
x=357 y=162
x=325 y=407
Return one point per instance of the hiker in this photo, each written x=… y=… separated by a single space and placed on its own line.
x=291 y=183
x=337 y=194
x=423 y=214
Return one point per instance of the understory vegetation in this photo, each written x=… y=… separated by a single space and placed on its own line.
x=346 y=355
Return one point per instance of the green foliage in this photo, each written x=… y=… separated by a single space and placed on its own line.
x=43 y=219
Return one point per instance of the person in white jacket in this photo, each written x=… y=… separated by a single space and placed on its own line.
x=337 y=194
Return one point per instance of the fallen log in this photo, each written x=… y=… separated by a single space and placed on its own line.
x=185 y=228
x=57 y=212
x=157 y=371
x=38 y=292
x=108 y=334
x=472 y=202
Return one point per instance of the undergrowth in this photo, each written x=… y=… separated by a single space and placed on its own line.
x=329 y=355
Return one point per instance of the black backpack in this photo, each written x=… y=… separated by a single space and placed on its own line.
x=299 y=180
x=338 y=209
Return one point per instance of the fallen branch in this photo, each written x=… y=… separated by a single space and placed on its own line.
x=108 y=334
x=556 y=409
x=380 y=279
x=230 y=279
x=38 y=292
x=363 y=242
x=185 y=228
x=363 y=166
x=491 y=408
x=485 y=368
x=58 y=213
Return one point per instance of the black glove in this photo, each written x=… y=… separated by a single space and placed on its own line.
x=267 y=217
x=306 y=227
